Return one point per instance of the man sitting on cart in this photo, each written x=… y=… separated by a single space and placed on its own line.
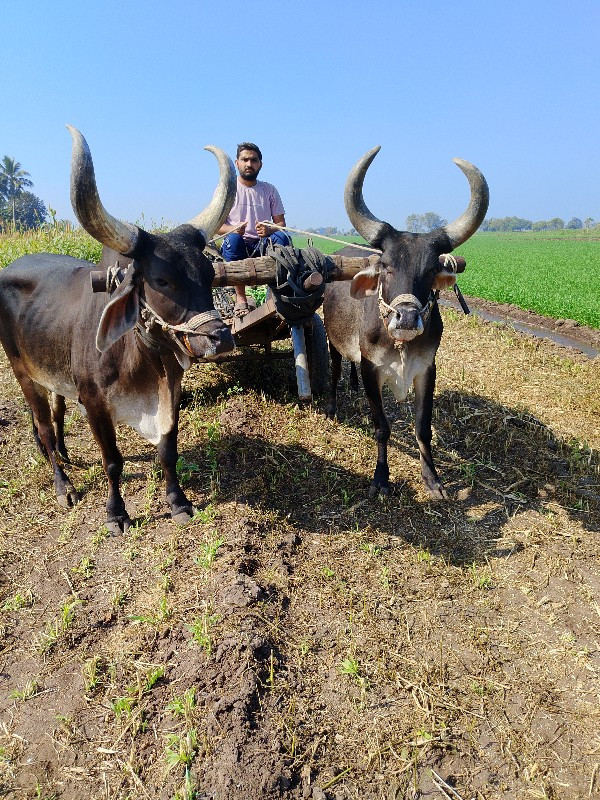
x=248 y=233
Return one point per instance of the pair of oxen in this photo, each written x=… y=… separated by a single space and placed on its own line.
x=121 y=354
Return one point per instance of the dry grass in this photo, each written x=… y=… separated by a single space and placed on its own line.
x=298 y=640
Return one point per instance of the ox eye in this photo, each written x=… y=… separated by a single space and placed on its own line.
x=161 y=283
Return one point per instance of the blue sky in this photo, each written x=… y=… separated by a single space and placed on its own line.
x=511 y=86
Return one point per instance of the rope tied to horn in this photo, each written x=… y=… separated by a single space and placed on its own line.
x=450 y=262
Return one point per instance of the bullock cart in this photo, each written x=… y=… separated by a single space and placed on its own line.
x=296 y=281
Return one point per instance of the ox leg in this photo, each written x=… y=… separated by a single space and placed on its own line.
x=103 y=429
x=182 y=510
x=336 y=373
x=59 y=407
x=424 y=386
x=353 y=377
x=45 y=437
x=381 y=477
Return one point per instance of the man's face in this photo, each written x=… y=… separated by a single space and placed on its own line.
x=248 y=164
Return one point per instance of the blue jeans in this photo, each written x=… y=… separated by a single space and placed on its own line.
x=235 y=248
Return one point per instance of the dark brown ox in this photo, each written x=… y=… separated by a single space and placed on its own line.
x=120 y=355
x=387 y=319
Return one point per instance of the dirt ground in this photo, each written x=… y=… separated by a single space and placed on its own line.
x=298 y=640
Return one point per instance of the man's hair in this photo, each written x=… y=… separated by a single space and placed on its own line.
x=248 y=146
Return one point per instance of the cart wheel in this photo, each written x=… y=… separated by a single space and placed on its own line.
x=317 y=353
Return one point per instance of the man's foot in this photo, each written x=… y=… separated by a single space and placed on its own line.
x=240 y=309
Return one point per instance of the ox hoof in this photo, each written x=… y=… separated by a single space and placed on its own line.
x=330 y=412
x=69 y=498
x=437 y=493
x=183 y=516
x=116 y=527
x=375 y=489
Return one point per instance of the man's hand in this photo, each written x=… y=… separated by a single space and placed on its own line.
x=241 y=229
x=263 y=230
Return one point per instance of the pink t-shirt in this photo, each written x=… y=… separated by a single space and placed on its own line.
x=259 y=203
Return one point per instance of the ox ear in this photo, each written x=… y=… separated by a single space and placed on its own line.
x=364 y=283
x=121 y=313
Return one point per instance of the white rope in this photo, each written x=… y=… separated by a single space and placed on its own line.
x=405 y=299
x=449 y=259
x=401 y=299
x=191 y=326
x=308 y=234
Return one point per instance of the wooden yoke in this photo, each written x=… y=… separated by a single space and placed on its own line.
x=254 y=271
x=262 y=270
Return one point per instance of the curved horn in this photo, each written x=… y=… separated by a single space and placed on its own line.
x=120 y=236
x=466 y=225
x=214 y=215
x=361 y=218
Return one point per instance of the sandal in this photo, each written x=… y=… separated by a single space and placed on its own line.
x=240 y=309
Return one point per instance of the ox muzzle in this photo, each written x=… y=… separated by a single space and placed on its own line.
x=405 y=317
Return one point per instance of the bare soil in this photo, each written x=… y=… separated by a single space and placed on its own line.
x=299 y=640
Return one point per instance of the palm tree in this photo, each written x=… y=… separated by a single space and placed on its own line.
x=13 y=180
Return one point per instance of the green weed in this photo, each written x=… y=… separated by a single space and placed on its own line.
x=18 y=601
x=208 y=552
x=27 y=692
x=181 y=748
x=201 y=630
x=54 y=630
x=183 y=706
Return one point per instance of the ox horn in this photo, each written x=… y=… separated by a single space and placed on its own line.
x=214 y=215
x=466 y=225
x=361 y=218
x=94 y=218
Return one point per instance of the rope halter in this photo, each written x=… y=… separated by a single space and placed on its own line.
x=149 y=318
x=424 y=311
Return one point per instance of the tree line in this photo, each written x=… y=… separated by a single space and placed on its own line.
x=423 y=223
x=19 y=208
x=23 y=210
x=554 y=224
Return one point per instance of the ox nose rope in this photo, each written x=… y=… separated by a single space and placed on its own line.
x=150 y=318
x=424 y=311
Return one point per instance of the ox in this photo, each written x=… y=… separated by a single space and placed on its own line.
x=387 y=319
x=121 y=355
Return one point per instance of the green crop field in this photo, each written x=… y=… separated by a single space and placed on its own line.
x=557 y=275
x=57 y=239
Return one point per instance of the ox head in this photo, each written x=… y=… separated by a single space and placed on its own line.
x=168 y=282
x=411 y=267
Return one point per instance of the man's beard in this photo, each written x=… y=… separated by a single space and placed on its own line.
x=250 y=174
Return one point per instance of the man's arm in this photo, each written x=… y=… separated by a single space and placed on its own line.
x=241 y=228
